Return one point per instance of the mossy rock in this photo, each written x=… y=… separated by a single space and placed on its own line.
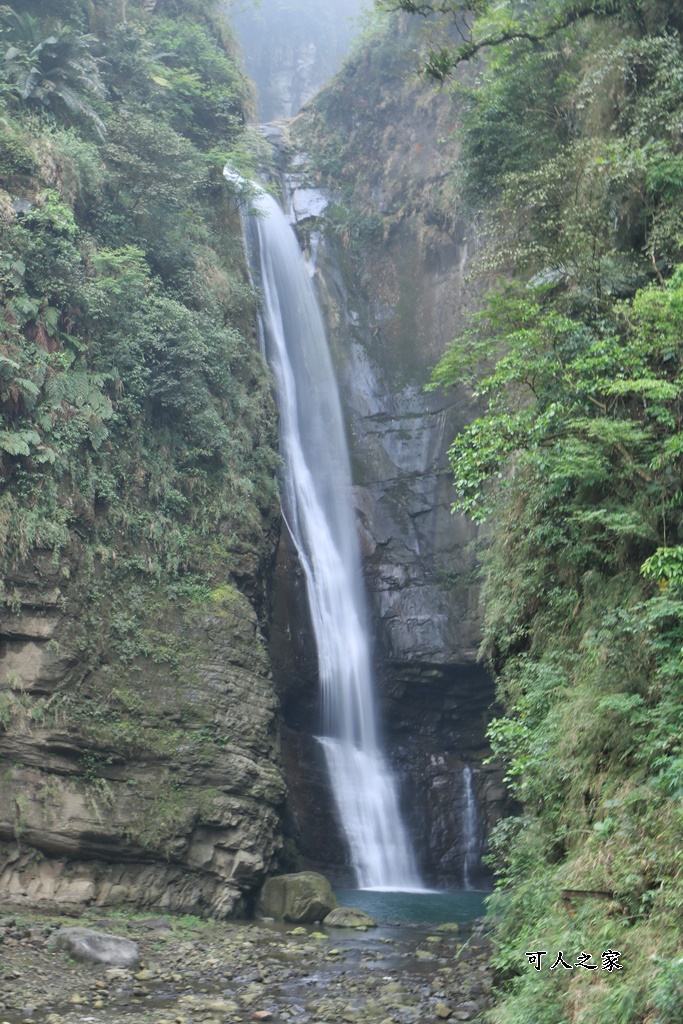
x=302 y=897
x=349 y=917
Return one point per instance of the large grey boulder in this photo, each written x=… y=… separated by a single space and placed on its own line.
x=96 y=947
x=301 y=898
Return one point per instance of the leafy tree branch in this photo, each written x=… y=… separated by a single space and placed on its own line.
x=490 y=24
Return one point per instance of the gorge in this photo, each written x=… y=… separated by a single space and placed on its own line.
x=489 y=201
x=126 y=781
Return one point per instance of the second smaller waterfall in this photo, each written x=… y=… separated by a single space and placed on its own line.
x=470 y=829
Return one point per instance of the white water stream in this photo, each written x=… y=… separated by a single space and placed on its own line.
x=315 y=496
x=470 y=828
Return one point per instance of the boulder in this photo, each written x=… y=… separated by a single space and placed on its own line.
x=349 y=917
x=96 y=947
x=302 y=897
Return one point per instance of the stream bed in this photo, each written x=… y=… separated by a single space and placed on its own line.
x=217 y=972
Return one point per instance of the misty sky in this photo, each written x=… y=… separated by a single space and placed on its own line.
x=292 y=47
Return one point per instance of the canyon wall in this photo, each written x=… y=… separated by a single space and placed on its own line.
x=139 y=726
x=152 y=781
x=392 y=259
x=139 y=721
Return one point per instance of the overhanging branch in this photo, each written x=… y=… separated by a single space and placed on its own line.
x=441 y=63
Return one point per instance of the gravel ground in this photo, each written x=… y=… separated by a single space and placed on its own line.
x=218 y=972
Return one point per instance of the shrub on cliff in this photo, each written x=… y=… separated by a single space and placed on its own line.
x=127 y=338
x=572 y=152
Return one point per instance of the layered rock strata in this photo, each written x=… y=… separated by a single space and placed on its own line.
x=154 y=781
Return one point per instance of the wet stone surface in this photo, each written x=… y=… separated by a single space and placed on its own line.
x=217 y=972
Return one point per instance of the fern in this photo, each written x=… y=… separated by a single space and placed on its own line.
x=18 y=442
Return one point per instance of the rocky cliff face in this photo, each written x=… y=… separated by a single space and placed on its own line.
x=153 y=781
x=139 y=748
x=392 y=259
x=393 y=266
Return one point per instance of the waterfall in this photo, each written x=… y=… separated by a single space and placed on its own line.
x=470 y=829
x=315 y=487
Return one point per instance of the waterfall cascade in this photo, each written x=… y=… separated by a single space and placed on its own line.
x=315 y=486
x=470 y=829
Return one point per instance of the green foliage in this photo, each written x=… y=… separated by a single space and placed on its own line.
x=55 y=70
x=578 y=466
x=597 y=208
x=573 y=399
x=200 y=89
x=131 y=396
x=668 y=1001
x=496 y=24
x=138 y=434
x=572 y=150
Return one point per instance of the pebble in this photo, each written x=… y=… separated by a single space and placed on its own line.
x=115 y=973
x=224 y=973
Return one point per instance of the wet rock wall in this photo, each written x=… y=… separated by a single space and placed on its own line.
x=393 y=303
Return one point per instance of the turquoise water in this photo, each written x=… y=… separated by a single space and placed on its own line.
x=415 y=907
